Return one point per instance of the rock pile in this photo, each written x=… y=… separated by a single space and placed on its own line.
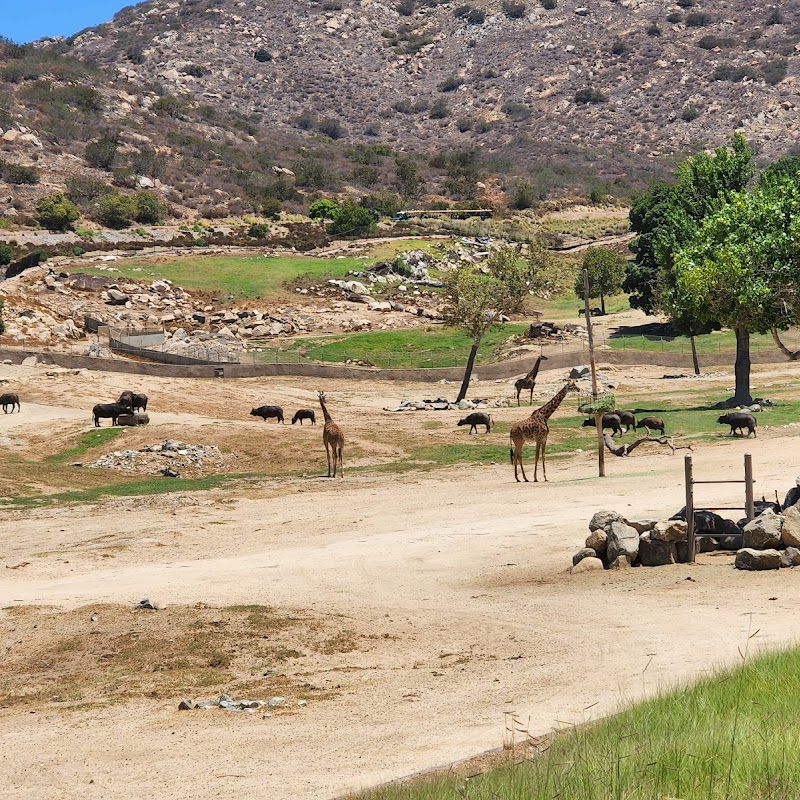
x=227 y=703
x=440 y=404
x=769 y=541
x=154 y=459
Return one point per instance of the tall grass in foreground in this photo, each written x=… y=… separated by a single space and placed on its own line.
x=733 y=735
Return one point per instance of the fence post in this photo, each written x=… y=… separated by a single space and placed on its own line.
x=689 y=479
x=748 y=487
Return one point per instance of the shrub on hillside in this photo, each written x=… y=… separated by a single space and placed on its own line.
x=548 y=5
x=115 y=210
x=697 y=19
x=195 y=70
x=331 y=127
x=451 y=83
x=619 y=47
x=101 y=153
x=440 y=110
x=516 y=111
x=271 y=207
x=2 y=324
x=513 y=9
x=352 y=219
x=56 y=213
x=774 y=18
x=589 y=95
x=18 y=174
x=524 y=197
x=150 y=208
x=311 y=173
x=384 y=203
x=262 y=55
x=653 y=30
x=258 y=230
x=84 y=191
x=775 y=71
x=690 y=113
x=124 y=177
x=674 y=17
x=711 y=42
x=473 y=16
x=6 y=254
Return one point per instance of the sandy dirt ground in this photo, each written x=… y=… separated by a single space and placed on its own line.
x=461 y=573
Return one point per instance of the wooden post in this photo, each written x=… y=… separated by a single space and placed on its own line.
x=748 y=487
x=598 y=418
x=689 y=479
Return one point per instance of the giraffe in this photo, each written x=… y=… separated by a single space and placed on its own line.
x=333 y=439
x=529 y=381
x=535 y=427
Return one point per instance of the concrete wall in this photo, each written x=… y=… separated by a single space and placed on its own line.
x=507 y=369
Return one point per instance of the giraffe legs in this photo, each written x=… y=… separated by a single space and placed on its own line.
x=518 y=461
x=328 y=456
x=530 y=399
x=338 y=453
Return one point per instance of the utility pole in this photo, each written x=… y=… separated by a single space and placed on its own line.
x=598 y=417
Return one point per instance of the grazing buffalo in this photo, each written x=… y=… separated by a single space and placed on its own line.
x=126 y=399
x=106 y=410
x=265 y=412
x=609 y=421
x=626 y=418
x=304 y=413
x=651 y=424
x=134 y=401
x=475 y=419
x=9 y=399
x=738 y=422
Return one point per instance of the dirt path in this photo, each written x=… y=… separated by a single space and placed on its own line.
x=465 y=568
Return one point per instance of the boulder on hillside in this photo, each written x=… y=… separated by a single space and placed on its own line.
x=598 y=541
x=764 y=532
x=750 y=558
x=116 y=297
x=790 y=529
x=602 y=519
x=623 y=540
x=642 y=525
x=656 y=553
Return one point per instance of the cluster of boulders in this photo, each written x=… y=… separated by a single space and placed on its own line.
x=769 y=541
x=167 y=458
x=29 y=324
x=227 y=703
x=549 y=330
x=440 y=404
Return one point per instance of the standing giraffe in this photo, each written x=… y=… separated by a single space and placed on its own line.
x=333 y=439
x=529 y=381
x=535 y=427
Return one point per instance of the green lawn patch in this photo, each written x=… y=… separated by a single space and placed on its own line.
x=732 y=735
x=719 y=342
x=441 y=347
x=146 y=486
x=86 y=442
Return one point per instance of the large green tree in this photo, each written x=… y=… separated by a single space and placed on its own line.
x=741 y=269
x=606 y=269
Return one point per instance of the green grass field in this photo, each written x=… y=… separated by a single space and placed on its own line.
x=719 y=342
x=440 y=347
x=731 y=736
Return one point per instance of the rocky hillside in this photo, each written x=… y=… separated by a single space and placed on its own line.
x=604 y=86
x=222 y=107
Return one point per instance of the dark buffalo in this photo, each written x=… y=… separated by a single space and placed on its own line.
x=304 y=413
x=106 y=410
x=651 y=424
x=139 y=402
x=265 y=412
x=739 y=420
x=626 y=418
x=9 y=399
x=475 y=419
x=126 y=399
x=609 y=421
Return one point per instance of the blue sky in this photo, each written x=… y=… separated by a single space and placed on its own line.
x=26 y=20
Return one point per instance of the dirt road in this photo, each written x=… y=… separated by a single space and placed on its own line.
x=461 y=576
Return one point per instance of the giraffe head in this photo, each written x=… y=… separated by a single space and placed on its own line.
x=571 y=386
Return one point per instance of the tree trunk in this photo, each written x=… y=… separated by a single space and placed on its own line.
x=695 y=362
x=462 y=393
x=742 y=367
x=602 y=304
x=792 y=355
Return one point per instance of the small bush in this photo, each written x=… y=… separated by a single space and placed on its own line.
x=306 y=121
x=311 y=173
x=524 y=197
x=619 y=48
x=150 y=208
x=674 y=17
x=710 y=42
x=195 y=70
x=331 y=127
x=124 y=177
x=548 y=5
x=56 y=213
x=405 y=7
x=730 y=72
x=589 y=95
x=271 y=207
x=518 y=112
x=473 y=16
x=690 y=113
x=513 y=9
x=101 y=153
x=84 y=191
x=6 y=254
x=18 y=174
x=258 y=230
x=686 y=3
x=774 y=71
x=115 y=210
x=653 y=30
x=697 y=19
x=262 y=55
x=440 y=110
x=463 y=124
x=451 y=83
x=774 y=18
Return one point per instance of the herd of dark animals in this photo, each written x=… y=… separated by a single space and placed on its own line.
x=534 y=427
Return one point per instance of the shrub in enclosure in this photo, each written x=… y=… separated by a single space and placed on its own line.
x=513 y=9
x=589 y=95
x=101 y=153
x=262 y=55
x=56 y=213
x=150 y=208
x=115 y=210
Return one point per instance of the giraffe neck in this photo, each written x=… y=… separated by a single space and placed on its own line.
x=548 y=408
x=325 y=413
x=535 y=371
